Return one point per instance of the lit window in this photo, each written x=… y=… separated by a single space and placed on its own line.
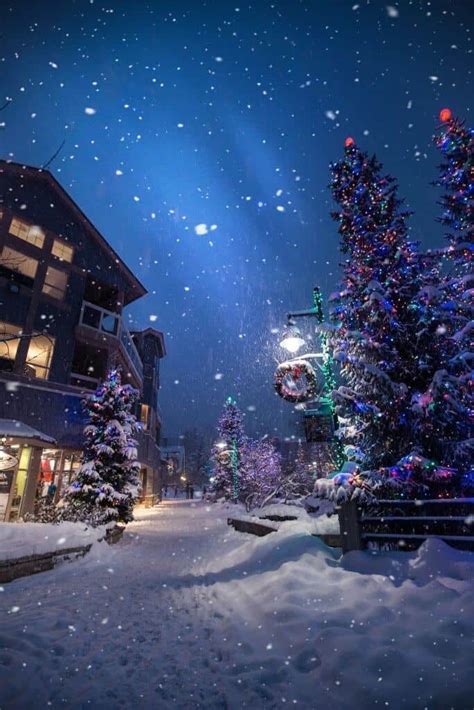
x=16 y=261
x=30 y=233
x=40 y=353
x=8 y=344
x=144 y=414
x=62 y=251
x=55 y=283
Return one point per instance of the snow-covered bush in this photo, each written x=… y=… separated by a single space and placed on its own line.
x=412 y=477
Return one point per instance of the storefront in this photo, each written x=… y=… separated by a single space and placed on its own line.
x=58 y=469
x=21 y=448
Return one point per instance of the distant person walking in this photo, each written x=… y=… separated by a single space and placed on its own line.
x=176 y=491
x=191 y=491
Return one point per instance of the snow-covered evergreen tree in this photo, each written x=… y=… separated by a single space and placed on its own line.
x=107 y=483
x=227 y=452
x=450 y=396
x=373 y=314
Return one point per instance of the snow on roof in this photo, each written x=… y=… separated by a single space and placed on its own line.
x=17 y=429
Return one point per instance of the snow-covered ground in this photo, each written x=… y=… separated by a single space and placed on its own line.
x=187 y=613
x=24 y=539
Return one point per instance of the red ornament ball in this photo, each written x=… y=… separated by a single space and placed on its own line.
x=445 y=114
x=348 y=142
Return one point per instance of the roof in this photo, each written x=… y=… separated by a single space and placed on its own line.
x=137 y=287
x=19 y=430
x=156 y=334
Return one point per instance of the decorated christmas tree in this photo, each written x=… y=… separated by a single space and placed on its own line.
x=227 y=452
x=403 y=332
x=107 y=483
x=373 y=314
x=450 y=397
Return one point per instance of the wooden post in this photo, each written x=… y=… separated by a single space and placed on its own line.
x=349 y=524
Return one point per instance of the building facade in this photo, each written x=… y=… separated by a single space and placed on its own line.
x=63 y=291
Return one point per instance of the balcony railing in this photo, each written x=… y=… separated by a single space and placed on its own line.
x=104 y=321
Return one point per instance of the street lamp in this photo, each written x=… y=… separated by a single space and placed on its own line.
x=234 y=461
x=292 y=339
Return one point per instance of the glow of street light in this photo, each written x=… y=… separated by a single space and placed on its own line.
x=292 y=339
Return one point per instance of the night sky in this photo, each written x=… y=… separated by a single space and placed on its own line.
x=198 y=138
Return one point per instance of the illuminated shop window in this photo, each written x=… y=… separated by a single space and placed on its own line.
x=144 y=415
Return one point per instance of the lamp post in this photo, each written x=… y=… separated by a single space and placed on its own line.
x=323 y=417
x=235 y=470
x=234 y=460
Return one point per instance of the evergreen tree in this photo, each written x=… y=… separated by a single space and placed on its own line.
x=373 y=312
x=448 y=402
x=227 y=452
x=456 y=143
x=107 y=483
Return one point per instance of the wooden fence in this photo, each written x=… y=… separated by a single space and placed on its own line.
x=406 y=524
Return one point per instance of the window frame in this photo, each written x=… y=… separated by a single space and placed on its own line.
x=62 y=245
x=52 y=288
x=30 y=362
x=14 y=270
x=27 y=227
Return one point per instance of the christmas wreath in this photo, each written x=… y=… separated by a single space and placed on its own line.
x=296 y=381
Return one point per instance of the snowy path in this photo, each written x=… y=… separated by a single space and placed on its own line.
x=186 y=613
x=121 y=629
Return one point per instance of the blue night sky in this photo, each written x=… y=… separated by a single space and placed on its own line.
x=198 y=137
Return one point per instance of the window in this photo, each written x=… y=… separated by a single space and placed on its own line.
x=62 y=251
x=144 y=414
x=8 y=345
x=55 y=283
x=30 y=233
x=16 y=261
x=40 y=353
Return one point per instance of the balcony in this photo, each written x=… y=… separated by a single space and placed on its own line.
x=111 y=326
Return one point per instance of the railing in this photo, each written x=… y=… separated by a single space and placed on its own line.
x=405 y=524
x=129 y=345
x=104 y=321
x=84 y=381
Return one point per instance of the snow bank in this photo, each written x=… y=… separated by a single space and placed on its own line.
x=385 y=629
x=188 y=613
x=25 y=539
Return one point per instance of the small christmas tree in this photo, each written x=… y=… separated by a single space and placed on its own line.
x=107 y=484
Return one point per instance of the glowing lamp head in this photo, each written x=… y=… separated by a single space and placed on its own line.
x=445 y=115
x=292 y=340
x=349 y=141
x=221 y=445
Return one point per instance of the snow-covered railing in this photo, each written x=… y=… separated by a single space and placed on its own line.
x=407 y=523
